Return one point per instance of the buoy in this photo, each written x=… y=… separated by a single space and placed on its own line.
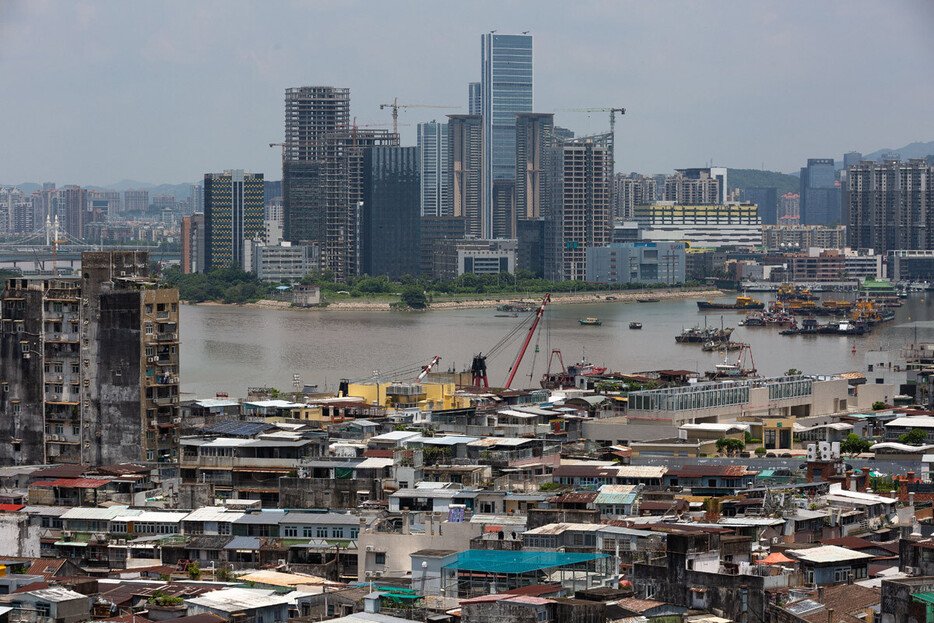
x=854 y=348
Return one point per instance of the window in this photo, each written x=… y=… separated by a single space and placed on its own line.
x=290 y=531
x=337 y=533
x=321 y=532
x=223 y=528
x=148 y=329
x=354 y=532
x=306 y=532
x=379 y=558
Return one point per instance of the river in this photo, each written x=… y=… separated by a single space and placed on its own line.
x=229 y=348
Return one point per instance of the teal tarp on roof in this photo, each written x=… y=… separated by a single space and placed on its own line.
x=494 y=561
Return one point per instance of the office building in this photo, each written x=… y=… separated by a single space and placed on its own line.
x=820 y=193
x=278 y=262
x=910 y=265
x=890 y=205
x=474 y=100
x=433 y=167
x=850 y=158
x=581 y=207
x=534 y=139
x=390 y=216
x=505 y=91
x=530 y=236
x=433 y=229
x=632 y=190
x=637 y=262
x=799 y=237
x=479 y=257
x=90 y=366
x=343 y=177
x=465 y=172
x=311 y=115
x=192 y=235
x=196 y=202
x=766 y=197
x=701 y=225
x=135 y=200
x=233 y=212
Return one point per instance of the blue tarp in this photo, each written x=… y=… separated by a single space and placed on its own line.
x=494 y=561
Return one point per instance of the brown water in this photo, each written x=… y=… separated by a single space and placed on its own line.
x=227 y=349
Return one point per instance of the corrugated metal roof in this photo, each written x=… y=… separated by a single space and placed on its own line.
x=214 y=513
x=828 y=553
x=99 y=513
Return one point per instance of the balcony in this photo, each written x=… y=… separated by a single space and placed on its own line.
x=62 y=338
x=166 y=337
x=188 y=462
x=164 y=401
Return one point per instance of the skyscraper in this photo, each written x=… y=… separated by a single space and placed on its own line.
x=72 y=204
x=433 y=167
x=581 y=214
x=850 y=158
x=311 y=114
x=465 y=172
x=233 y=212
x=890 y=205
x=534 y=137
x=506 y=90
x=474 y=101
x=820 y=195
x=390 y=213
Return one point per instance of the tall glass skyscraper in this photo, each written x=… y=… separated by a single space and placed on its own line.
x=433 y=166
x=505 y=91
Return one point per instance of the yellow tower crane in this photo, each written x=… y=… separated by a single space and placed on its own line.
x=396 y=106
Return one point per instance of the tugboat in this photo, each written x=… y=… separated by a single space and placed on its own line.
x=742 y=303
x=635 y=325
x=593 y=322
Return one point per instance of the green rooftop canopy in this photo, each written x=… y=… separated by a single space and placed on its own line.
x=495 y=561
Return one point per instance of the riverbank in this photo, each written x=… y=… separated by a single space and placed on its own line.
x=559 y=298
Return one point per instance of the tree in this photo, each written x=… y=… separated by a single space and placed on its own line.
x=792 y=372
x=760 y=451
x=414 y=297
x=194 y=571
x=730 y=446
x=878 y=405
x=854 y=444
x=916 y=437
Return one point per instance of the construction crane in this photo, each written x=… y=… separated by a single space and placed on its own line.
x=426 y=369
x=528 y=338
x=396 y=106
x=612 y=112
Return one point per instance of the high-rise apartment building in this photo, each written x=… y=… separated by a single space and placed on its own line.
x=234 y=211
x=890 y=205
x=390 y=213
x=703 y=175
x=192 y=234
x=197 y=199
x=766 y=197
x=850 y=158
x=465 y=172
x=71 y=210
x=534 y=140
x=312 y=113
x=695 y=187
x=631 y=191
x=474 y=100
x=17 y=212
x=89 y=370
x=433 y=167
x=135 y=200
x=581 y=215
x=820 y=194
x=506 y=90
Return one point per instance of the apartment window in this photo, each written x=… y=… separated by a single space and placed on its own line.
x=290 y=531
x=306 y=532
x=75 y=368
x=148 y=329
x=321 y=532
x=58 y=367
x=354 y=532
x=379 y=558
x=148 y=308
x=15 y=407
x=337 y=533
x=76 y=430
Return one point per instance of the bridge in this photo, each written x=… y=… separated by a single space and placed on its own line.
x=20 y=257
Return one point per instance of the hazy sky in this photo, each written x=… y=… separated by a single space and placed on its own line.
x=96 y=92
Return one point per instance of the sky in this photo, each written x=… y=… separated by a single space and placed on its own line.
x=165 y=91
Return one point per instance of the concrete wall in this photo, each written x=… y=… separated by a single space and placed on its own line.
x=18 y=537
x=397 y=547
x=896 y=599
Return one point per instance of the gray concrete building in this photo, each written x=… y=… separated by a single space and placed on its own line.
x=637 y=262
x=89 y=370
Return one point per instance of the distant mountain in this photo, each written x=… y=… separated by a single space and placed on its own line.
x=750 y=178
x=912 y=150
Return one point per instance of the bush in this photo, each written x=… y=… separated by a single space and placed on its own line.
x=414 y=297
x=760 y=451
x=878 y=405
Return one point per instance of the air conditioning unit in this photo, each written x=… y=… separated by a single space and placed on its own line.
x=67 y=534
x=281 y=562
x=100 y=537
x=370 y=548
x=177 y=420
x=60 y=378
x=53 y=437
x=378 y=574
x=53 y=398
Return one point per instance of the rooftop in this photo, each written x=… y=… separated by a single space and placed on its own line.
x=495 y=561
x=829 y=554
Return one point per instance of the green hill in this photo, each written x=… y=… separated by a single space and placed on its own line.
x=749 y=178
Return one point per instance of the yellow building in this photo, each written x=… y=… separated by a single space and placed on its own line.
x=434 y=396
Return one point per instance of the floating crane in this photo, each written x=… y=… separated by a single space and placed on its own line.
x=396 y=106
x=528 y=338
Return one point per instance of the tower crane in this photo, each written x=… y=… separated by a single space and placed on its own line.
x=396 y=106
x=612 y=112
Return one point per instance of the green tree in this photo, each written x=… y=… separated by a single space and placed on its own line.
x=760 y=451
x=916 y=437
x=878 y=405
x=194 y=571
x=414 y=297
x=730 y=446
x=792 y=372
x=854 y=444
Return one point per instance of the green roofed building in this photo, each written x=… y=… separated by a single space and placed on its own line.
x=482 y=572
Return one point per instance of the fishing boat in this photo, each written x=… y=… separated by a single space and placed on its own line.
x=593 y=322
x=742 y=303
x=725 y=345
x=735 y=370
x=635 y=325
x=696 y=335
